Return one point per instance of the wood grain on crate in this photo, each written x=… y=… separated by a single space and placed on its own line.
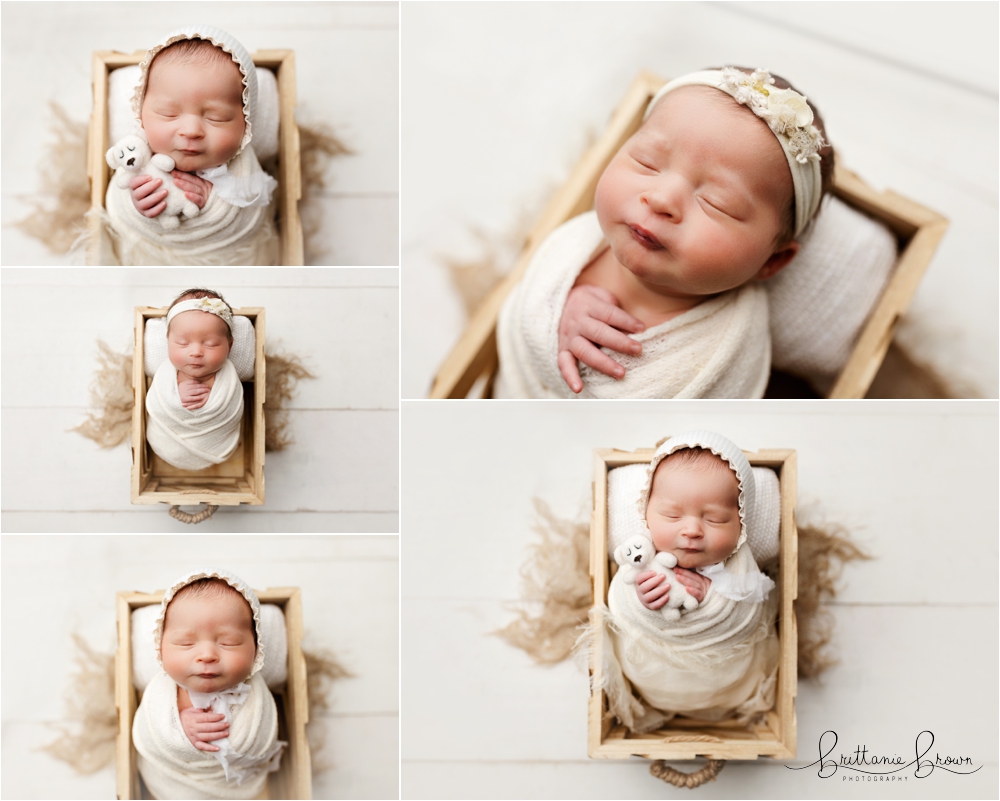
x=282 y=63
x=681 y=739
x=240 y=479
x=918 y=229
x=294 y=778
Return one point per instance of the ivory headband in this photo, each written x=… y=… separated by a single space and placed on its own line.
x=786 y=113
x=210 y=305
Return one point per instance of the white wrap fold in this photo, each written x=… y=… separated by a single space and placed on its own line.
x=197 y=438
x=719 y=660
x=223 y=233
x=719 y=349
x=173 y=768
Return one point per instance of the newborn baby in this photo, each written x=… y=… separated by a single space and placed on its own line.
x=207 y=726
x=196 y=93
x=718 y=660
x=702 y=203
x=195 y=403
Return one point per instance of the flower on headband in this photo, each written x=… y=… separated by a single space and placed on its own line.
x=213 y=306
x=785 y=111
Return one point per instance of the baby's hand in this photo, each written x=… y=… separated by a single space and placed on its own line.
x=652 y=589
x=147 y=200
x=697 y=585
x=193 y=394
x=202 y=725
x=195 y=189
x=592 y=317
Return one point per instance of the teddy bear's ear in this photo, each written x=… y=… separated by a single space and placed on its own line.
x=110 y=157
x=618 y=554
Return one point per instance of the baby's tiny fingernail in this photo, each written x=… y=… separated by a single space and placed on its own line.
x=619 y=373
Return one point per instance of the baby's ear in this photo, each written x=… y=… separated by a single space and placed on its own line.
x=778 y=260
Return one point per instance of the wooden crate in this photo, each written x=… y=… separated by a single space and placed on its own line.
x=917 y=229
x=776 y=736
x=294 y=778
x=240 y=479
x=282 y=63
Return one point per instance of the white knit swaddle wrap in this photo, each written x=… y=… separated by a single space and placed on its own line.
x=719 y=349
x=720 y=659
x=193 y=439
x=222 y=233
x=173 y=768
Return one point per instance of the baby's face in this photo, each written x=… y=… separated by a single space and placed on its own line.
x=694 y=513
x=207 y=644
x=198 y=343
x=193 y=112
x=693 y=202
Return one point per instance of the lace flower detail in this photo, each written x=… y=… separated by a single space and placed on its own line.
x=216 y=307
x=785 y=111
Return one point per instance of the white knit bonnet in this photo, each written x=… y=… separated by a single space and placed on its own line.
x=726 y=450
x=786 y=113
x=233 y=581
x=219 y=38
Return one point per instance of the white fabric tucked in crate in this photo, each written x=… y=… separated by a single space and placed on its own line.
x=624 y=520
x=821 y=300
x=273 y=634
x=264 y=119
x=242 y=354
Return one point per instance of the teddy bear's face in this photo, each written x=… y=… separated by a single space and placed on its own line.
x=131 y=152
x=636 y=552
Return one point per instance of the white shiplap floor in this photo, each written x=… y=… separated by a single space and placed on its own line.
x=347 y=70
x=54 y=586
x=916 y=627
x=499 y=101
x=340 y=474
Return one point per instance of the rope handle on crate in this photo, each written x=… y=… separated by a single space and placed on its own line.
x=187 y=517
x=661 y=770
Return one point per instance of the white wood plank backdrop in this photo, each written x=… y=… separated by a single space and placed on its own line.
x=80 y=576
x=341 y=474
x=347 y=69
x=499 y=100
x=916 y=629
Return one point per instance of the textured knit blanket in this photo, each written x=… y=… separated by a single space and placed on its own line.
x=719 y=349
x=173 y=768
x=719 y=660
x=222 y=233
x=197 y=438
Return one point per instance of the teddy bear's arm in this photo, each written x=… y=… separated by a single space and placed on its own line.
x=163 y=161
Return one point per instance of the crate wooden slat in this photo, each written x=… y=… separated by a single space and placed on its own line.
x=918 y=230
x=776 y=736
x=294 y=778
x=282 y=63
x=240 y=479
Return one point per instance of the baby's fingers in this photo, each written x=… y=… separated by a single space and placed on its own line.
x=585 y=351
x=602 y=334
x=569 y=371
x=205 y=746
x=138 y=180
x=208 y=736
x=615 y=316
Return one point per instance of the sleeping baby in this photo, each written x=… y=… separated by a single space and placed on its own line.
x=207 y=725
x=707 y=199
x=195 y=404
x=193 y=104
x=720 y=659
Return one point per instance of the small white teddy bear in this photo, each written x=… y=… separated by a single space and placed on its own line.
x=131 y=156
x=637 y=554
